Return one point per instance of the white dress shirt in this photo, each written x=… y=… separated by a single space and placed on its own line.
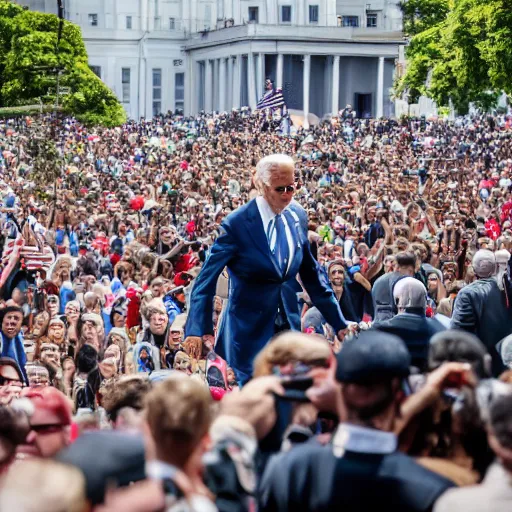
x=267 y=216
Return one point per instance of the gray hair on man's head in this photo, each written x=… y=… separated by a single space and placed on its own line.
x=410 y=293
x=271 y=163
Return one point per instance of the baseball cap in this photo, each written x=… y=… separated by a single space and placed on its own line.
x=484 y=263
x=372 y=357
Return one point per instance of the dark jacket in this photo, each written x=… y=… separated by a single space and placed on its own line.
x=347 y=306
x=416 y=330
x=312 y=478
x=382 y=294
x=481 y=308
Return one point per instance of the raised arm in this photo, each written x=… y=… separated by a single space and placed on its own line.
x=200 y=315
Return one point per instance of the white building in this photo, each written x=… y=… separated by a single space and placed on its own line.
x=160 y=55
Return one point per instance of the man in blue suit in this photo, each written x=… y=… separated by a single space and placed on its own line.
x=264 y=245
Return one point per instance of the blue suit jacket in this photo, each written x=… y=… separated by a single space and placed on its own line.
x=256 y=287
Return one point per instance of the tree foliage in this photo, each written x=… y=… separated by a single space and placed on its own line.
x=28 y=60
x=420 y=15
x=464 y=55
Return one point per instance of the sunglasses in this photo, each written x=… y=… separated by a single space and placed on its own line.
x=46 y=429
x=287 y=189
x=5 y=381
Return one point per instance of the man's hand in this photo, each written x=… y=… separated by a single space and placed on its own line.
x=352 y=328
x=324 y=394
x=193 y=346
x=451 y=375
x=255 y=403
x=448 y=375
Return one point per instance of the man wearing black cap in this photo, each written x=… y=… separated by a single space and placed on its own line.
x=362 y=468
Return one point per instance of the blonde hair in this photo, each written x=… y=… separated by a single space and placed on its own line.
x=54 y=487
x=445 y=307
x=289 y=347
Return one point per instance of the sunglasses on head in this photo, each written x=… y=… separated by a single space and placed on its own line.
x=288 y=188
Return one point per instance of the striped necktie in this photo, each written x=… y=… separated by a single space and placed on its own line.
x=281 y=248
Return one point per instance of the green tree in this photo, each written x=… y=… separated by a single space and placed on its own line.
x=28 y=60
x=465 y=56
x=420 y=15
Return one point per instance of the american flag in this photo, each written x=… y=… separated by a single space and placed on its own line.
x=33 y=257
x=272 y=99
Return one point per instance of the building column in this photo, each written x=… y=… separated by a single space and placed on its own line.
x=144 y=15
x=335 y=103
x=229 y=88
x=190 y=88
x=279 y=70
x=237 y=81
x=251 y=80
x=272 y=15
x=306 y=83
x=261 y=76
x=142 y=83
x=380 y=89
x=223 y=78
x=300 y=13
x=228 y=9
x=216 y=83
x=208 y=86
x=193 y=17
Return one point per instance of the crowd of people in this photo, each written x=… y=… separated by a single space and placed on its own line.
x=134 y=377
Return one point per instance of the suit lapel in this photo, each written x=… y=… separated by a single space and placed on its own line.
x=294 y=225
x=257 y=233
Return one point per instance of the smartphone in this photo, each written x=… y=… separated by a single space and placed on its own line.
x=295 y=389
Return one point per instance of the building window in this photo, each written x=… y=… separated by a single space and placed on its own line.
x=129 y=22
x=371 y=20
x=207 y=16
x=172 y=23
x=93 y=20
x=125 y=79
x=157 y=91
x=96 y=70
x=286 y=14
x=313 y=14
x=350 y=21
x=179 y=91
x=254 y=14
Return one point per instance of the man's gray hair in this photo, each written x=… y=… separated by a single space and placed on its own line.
x=410 y=293
x=271 y=163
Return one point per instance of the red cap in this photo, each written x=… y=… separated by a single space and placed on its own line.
x=52 y=400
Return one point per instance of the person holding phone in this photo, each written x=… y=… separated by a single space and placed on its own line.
x=366 y=395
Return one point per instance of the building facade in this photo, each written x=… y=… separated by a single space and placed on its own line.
x=160 y=55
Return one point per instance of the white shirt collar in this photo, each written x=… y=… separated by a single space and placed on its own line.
x=266 y=212
x=158 y=470
x=363 y=440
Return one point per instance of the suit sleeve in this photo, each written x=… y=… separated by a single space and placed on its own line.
x=463 y=316
x=200 y=315
x=273 y=487
x=319 y=290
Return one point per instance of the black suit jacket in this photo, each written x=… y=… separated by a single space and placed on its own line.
x=481 y=308
x=312 y=479
x=416 y=330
